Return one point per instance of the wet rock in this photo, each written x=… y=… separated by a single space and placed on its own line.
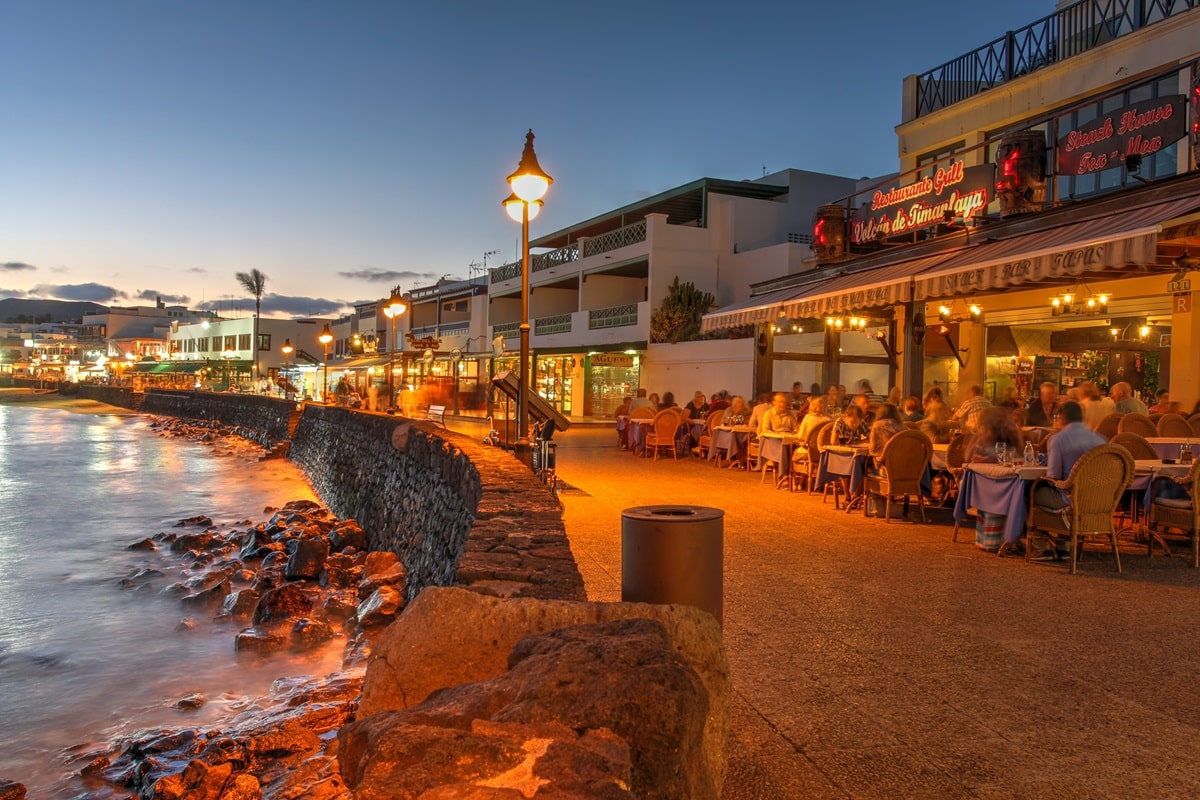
x=144 y=544
x=395 y=576
x=282 y=604
x=381 y=607
x=379 y=562
x=308 y=560
x=202 y=519
x=208 y=597
x=621 y=680
x=10 y=790
x=347 y=533
x=257 y=640
x=190 y=702
x=241 y=603
x=289 y=739
x=336 y=577
x=198 y=781
x=451 y=636
x=242 y=786
x=310 y=633
x=187 y=624
x=341 y=605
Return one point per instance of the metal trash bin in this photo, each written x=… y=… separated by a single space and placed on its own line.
x=674 y=554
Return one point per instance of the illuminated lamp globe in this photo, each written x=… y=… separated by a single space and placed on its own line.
x=395 y=306
x=326 y=335
x=514 y=204
x=529 y=182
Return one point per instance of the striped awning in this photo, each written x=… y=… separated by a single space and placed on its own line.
x=1063 y=252
x=760 y=308
x=863 y=290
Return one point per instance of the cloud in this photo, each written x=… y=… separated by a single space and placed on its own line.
x=388 y=276
x=151 y=295
x=197 y=270
x=92 y=292
x=16 y=266
x=5 y=293
x=284 y=305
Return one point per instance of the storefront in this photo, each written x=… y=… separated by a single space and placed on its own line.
x=582 y=384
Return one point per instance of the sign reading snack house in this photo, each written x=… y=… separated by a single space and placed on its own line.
x=962 y=191
x=1141 y=129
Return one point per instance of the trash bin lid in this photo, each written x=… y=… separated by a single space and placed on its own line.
x=677 y=513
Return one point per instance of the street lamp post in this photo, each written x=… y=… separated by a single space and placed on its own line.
x=287 y=381
x=228 y=355
x=325 y=338
x=529 y=184
x=394 y=308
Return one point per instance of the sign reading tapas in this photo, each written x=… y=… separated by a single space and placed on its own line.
x=962 y=191
x=1141 y=129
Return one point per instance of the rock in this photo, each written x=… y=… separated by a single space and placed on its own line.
x=187 y=624
x=621 y=681
x=208 y=597
x=256 y=640
x=308 y=560
x=381 y=607
x=347 y=533
x=380 y=561
x=202 y=519
x=395 y=576
x=190 y=702
x=11 y=790
x=309 y=633
x=242 y=786
x=144 y=544
x=287 y=740
x=341 y=605
x=240 y=603
x=450 y=636
x=282 y=604
x=198 y=781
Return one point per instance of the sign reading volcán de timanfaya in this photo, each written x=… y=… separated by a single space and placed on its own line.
x=1141 y=129
x=963 y=191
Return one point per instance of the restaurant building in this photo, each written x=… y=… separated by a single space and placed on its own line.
x=595 y=284
x=1044 y=225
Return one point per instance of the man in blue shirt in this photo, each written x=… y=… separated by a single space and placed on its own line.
x=1067 y=446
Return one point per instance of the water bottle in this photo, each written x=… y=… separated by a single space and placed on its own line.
x=1185 y=452
x=1030 y=456
x=1001 y=453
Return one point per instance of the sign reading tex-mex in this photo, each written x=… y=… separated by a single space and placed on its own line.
x=1140 y=129
x=963 y=191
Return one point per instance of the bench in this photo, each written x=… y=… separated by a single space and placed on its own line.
x=437 y=414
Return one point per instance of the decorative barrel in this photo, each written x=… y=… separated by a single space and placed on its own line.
x=1021 y=172
x=829 y=234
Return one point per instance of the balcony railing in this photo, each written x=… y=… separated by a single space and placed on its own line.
x=453 y=328
x=506 y=272
x=563 y=255
x=559 y=323
x=613 y=317
x=1065 y=33
x=509 y=330
x=621 y=237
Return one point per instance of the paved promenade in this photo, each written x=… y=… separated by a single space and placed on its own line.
x=884 y=661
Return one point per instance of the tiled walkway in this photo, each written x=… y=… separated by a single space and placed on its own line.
x=883 y=661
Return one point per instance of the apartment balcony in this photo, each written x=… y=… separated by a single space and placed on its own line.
x=596 y=327
x=1066 y=33
x=632 y=234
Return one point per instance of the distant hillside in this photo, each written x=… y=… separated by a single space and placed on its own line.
x=17 y=309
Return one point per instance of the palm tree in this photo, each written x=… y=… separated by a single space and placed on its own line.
x=254 y=282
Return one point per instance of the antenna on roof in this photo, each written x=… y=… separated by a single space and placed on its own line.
x=480 y=267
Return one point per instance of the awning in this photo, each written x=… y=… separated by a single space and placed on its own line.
x=167 y=367
x=362 y=363
x=1067 y=251
x=760 y=308
x=857 y=291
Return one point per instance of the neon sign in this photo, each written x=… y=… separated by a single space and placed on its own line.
x=1141 y=129
x=956 y=190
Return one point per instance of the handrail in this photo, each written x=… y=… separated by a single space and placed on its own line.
x=1067 y=32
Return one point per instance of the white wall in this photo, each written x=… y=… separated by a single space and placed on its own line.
x=707 y=366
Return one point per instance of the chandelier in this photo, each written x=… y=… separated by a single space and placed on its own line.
x=1080 y=299
x=972 y=312
x=846 y=323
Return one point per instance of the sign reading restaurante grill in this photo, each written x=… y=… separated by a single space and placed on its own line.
x=961 y=191
x=1141 y=129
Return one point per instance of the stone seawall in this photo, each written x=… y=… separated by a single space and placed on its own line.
x=119 y=396
x=454 y=511
x=258 y=418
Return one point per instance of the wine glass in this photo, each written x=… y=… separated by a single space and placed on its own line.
x=1002 y=454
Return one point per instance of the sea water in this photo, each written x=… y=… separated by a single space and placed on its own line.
x=83 y=659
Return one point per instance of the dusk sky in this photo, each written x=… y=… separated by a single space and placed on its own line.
x=155 y=148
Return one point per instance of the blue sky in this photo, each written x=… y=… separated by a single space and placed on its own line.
x=155 y=148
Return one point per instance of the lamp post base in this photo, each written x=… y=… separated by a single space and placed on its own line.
x=523 y=450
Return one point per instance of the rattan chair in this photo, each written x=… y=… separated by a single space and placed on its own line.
x=1137 y=445
x=712 y=421
x=905 y=461
x=954 y=463
x=662 y=432
x=1155 y=416
x=1094 y=488
x=1110 y=425
x=1174 y=425
x=1137 y=423
x=810 y=461
x=1167 y=514
x=824 y=439
x=1194 y=424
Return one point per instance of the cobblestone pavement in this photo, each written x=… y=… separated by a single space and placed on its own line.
x=884 y=661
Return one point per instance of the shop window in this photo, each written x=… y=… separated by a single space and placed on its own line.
x=927 y=163
x=264 y=341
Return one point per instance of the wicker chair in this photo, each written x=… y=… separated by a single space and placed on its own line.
x=1137 y=423
x=1110 y=425
x=1174 y=425
x=824 y=439
x=1136 y=444
x=1181 y=514
x=954 y=462
x=712 y=421
x=1155 y=416
x=1094 y=488
x=810 y=460
x=662 y=432
x=905 y=461
x=1194 y=424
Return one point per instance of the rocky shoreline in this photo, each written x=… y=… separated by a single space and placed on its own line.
x=297 y=581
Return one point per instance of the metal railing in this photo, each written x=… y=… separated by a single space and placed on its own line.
x=451 y=328
x=613 y=317
x=506 y=272
x=1061 y=35
x=621 y=237
x=563 y=255
x=559 y=323
x=509 y=330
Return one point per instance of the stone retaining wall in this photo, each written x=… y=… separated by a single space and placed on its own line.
x=119 y=396
x=260 y=419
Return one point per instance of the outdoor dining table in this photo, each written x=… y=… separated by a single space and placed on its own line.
x=777 y=447
x=730 y=438
x=844 y=461
x=1167 y=446
x=997 y=489
x=636 y=434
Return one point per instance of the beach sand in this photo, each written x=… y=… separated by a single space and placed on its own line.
x=50 y=398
